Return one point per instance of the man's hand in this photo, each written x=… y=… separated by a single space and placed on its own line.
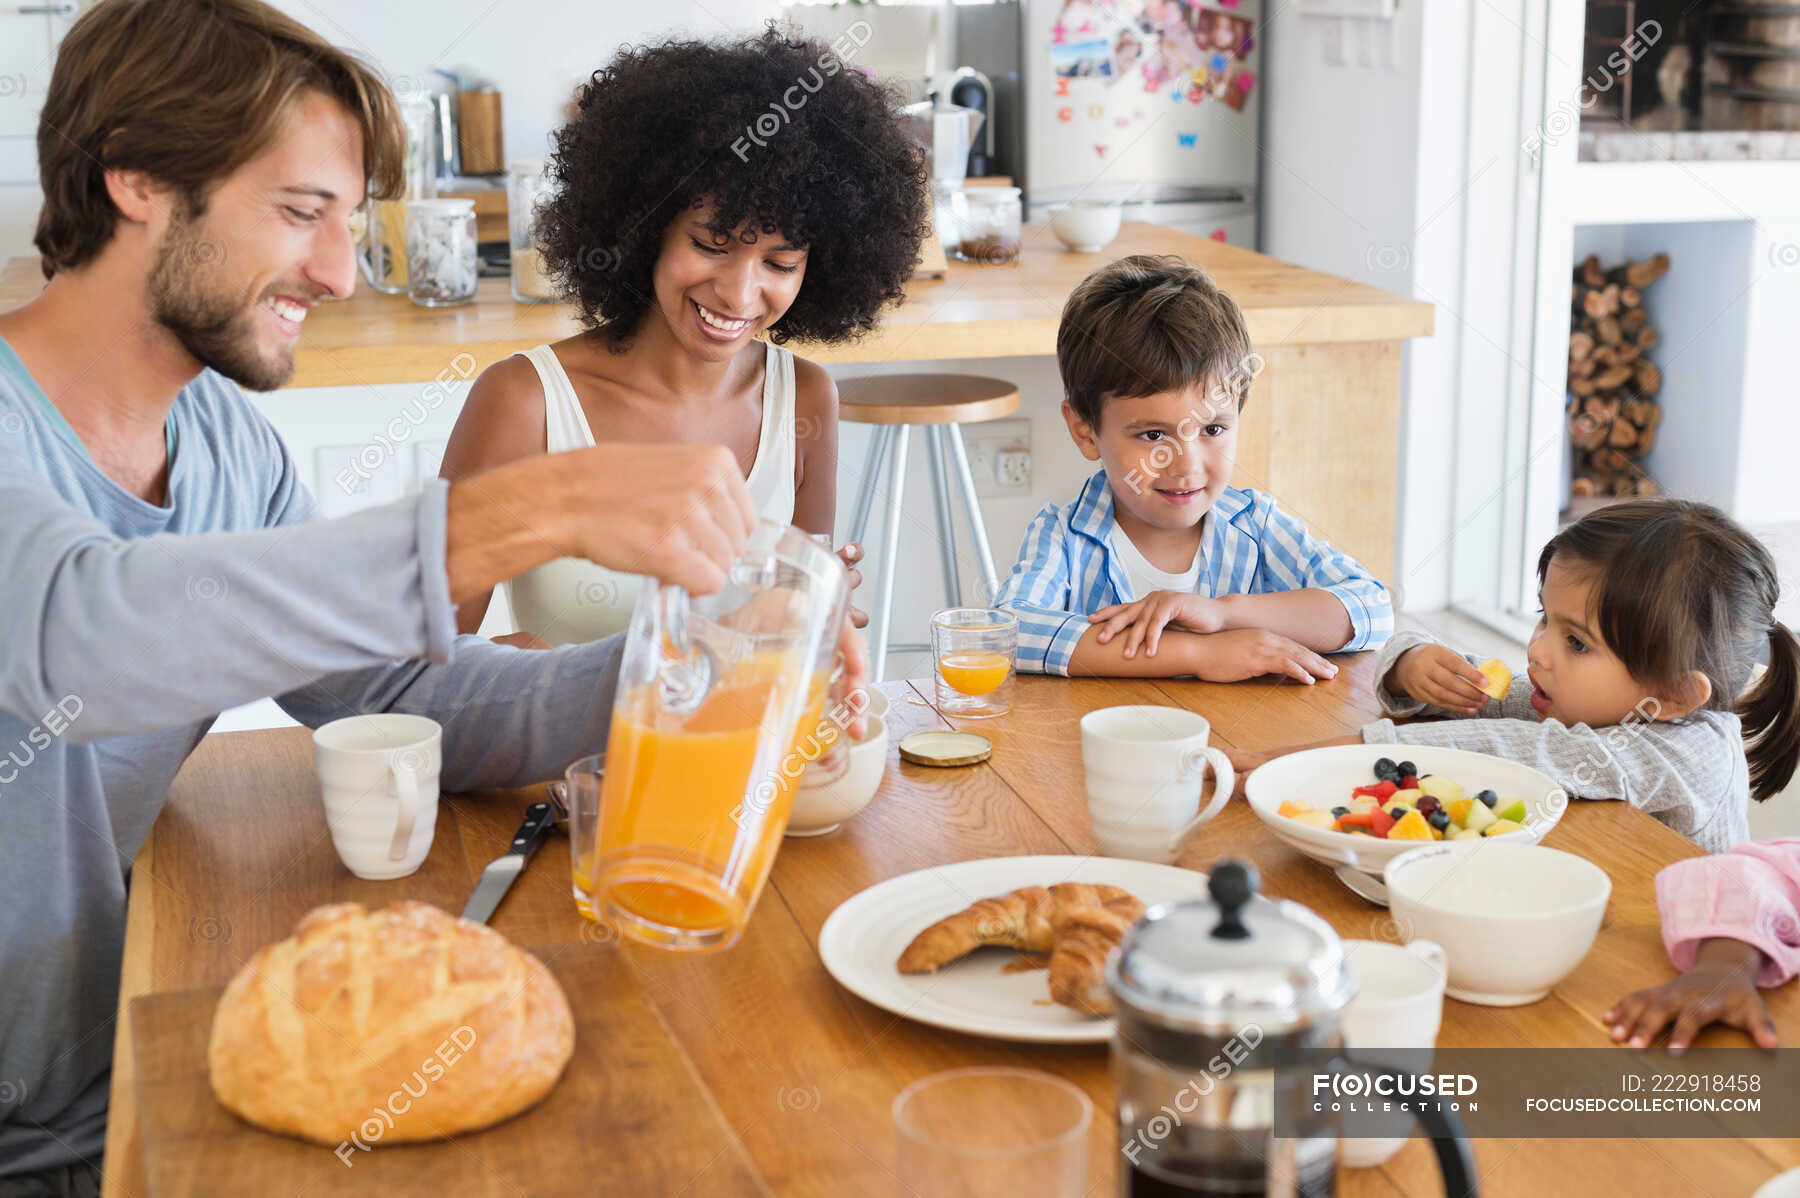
x=1720 y=988
x=1252 y=652
x=1142 y=620
x=1439 y=676
x=679 y=513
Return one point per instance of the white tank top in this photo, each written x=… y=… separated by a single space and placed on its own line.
x=571 y=600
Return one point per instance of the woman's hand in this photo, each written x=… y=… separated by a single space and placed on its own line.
x=1142 y=620
x=1720 y=988
x=1439 y=676
x=523 y=640
x=850 y=554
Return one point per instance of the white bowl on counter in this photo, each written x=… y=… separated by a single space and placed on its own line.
x=1086 y=228
x=821 y=806
x=1513 y=918
x=1325 y=777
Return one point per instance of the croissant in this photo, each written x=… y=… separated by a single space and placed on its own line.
x=1022 y=919
x=1084 y=937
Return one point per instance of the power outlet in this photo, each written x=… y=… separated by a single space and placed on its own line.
x=1000 y=457
x=347 y=478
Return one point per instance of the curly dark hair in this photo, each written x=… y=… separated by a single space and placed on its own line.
x=669 y=128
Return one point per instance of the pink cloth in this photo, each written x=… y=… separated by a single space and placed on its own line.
x=1751 y=893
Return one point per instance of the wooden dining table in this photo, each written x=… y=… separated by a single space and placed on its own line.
x=789 y=1078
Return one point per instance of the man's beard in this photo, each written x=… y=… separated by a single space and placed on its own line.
x=212 y=325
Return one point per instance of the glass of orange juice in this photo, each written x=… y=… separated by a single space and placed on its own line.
x=973 y=650
x=713 y=725
x=581 y=795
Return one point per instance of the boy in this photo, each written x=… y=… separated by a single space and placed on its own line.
x=1160 y=568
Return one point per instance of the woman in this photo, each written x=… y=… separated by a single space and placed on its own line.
x=709 y=195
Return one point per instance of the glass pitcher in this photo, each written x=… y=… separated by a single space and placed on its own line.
x=720 y=705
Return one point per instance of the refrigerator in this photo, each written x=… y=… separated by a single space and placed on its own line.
x=1159 y=99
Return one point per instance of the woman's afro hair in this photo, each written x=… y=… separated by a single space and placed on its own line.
x=779 y=134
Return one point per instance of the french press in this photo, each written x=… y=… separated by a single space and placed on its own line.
x=1213 y=997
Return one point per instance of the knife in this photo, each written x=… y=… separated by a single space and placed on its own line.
x=499 y=875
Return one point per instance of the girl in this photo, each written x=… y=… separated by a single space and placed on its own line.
x=708 y=194
x=1731 y=923
x=1653 y=613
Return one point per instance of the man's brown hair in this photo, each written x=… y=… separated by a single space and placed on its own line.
x=186 y=91
x=1147 y=324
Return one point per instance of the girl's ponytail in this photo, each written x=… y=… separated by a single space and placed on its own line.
x=1771 y=715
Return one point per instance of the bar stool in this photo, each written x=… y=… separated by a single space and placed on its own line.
x=940 y=404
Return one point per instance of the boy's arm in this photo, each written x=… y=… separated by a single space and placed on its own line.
x=1230 y=656
x=1308 y=591
x=1039 y=592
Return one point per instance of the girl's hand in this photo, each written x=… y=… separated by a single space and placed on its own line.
x=1437 y=675
x=1720 y=988
x=1143 y=620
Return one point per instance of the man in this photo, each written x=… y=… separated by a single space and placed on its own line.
x=200 y=160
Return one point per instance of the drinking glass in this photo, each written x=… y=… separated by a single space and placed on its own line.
x=715 y=720
x=973 y=652
x=581 y=794
x=993 y=1130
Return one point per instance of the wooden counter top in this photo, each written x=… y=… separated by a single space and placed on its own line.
x=975 y=312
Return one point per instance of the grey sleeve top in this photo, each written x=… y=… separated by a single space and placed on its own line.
x=1690 y=774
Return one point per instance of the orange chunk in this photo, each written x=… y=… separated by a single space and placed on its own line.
x=1411 y=826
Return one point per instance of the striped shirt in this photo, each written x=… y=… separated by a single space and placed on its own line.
x=1688 y=773
x=1067 y=570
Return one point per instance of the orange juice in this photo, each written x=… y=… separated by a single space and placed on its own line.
x=974 y=673
x=694 y=805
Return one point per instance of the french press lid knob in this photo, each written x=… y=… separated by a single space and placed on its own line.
x=1232 y=885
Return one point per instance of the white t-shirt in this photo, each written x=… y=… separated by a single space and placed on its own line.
x=1145 y=577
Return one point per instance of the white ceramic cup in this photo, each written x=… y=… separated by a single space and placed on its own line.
x=1145 y=768
x=1399 y=1003
x=379 y=777
x=1782 y=1185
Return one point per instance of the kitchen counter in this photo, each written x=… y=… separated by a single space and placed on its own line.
x=1321 y=429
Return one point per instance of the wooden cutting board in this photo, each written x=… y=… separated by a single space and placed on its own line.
x=628 y=1116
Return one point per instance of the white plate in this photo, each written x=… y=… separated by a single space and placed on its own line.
x=1325 y=777
x=864 y=937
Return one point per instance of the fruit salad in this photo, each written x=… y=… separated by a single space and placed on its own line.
x=1400 y=805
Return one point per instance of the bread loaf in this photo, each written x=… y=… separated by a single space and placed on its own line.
x=394 y=1025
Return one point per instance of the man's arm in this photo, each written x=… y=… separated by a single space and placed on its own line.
x=162 y=630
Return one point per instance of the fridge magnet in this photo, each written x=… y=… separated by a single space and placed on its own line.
x=1122 y=122
x=1100 y=151
x=1062 y=87
x=1065 y=114
x=1217 y=234
x=1237 y=91
x=1126 y=52
x=1091 y=59
x=1187 y=140
x=1096 y=111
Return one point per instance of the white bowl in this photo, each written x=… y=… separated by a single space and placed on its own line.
x=1086 y=228
x=1513 y=918
x=820 y=808
x=1325 y=777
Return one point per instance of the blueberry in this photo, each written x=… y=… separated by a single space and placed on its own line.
x=1387 y=771
x=1340 y=811
x=1439 y=820
x=1398 y=813
x=1408 y=769
x=1488 y=797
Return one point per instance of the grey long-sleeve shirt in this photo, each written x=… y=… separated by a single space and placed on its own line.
x=1690 y=774
x=128 y=627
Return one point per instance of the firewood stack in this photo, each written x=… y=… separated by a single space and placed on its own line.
x=1613 y=413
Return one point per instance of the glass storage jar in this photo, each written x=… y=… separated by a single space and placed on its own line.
x=528 y=184
x=440 y=252
x=987 y=224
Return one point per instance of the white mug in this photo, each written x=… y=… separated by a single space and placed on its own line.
x=379 y=777
x=1145 y=767
x=1399 y=1003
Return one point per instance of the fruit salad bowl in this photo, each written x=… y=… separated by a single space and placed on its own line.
x=1324 y=780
